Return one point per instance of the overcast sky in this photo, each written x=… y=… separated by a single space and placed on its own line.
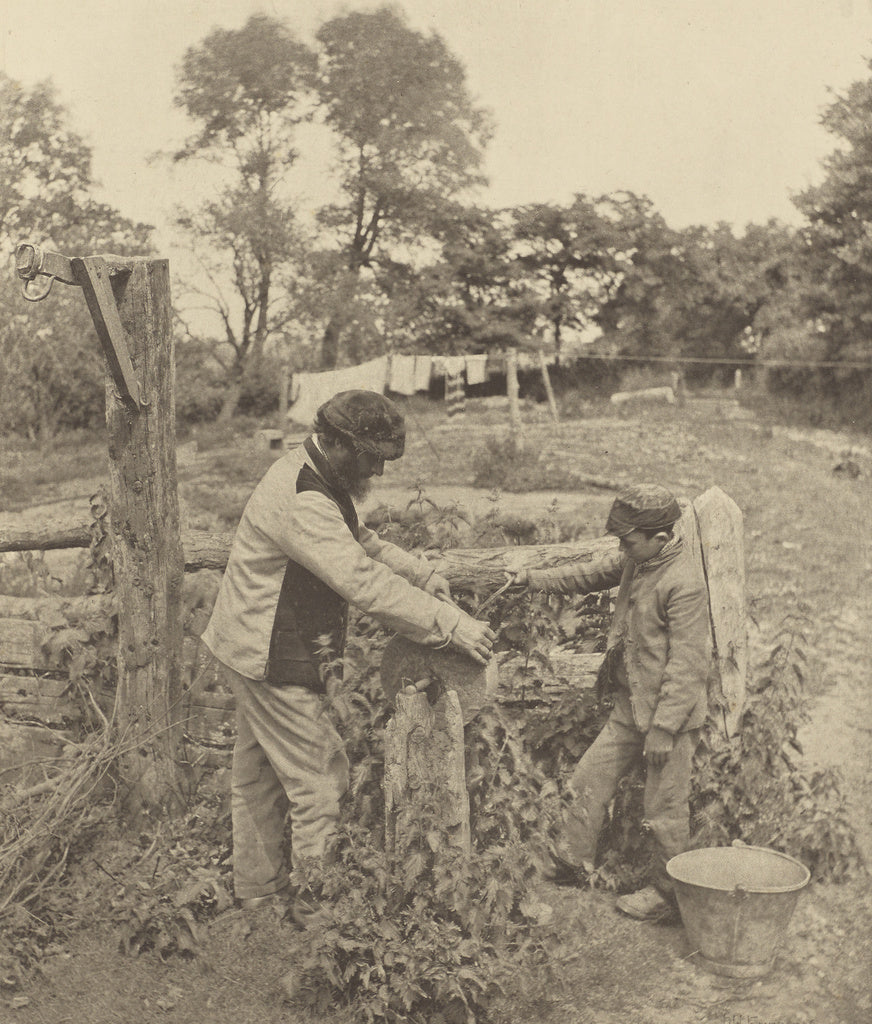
x=710 y=107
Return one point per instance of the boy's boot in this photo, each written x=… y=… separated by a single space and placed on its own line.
x=647 y=905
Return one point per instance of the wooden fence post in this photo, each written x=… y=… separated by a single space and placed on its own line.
x=425 y=755
x=719 y=520
x=425 y=764
x=147 y=549
x=549 y=391
x=129 y=302
x=515 y=426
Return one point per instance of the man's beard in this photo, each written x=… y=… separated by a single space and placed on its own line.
x=360 y=491
x=352 y=482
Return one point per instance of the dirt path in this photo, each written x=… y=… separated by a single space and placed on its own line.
x=839 y=734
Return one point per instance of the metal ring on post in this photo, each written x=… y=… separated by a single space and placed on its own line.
x=29 y=268
x=38 y=297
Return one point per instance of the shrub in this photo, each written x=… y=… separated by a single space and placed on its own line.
x=200 y=383
x=752 y=788
x=421 y=524
x=432 y=932
x=423 y=933
x=502 y=463
x=259 y=395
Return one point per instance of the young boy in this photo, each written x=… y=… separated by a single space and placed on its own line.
x=659 y=652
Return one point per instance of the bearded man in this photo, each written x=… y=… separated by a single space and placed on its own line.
x=300 y=556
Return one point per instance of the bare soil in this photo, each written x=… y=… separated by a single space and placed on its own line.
x=807 y=548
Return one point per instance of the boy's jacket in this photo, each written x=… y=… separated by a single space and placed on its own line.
x=661 y=625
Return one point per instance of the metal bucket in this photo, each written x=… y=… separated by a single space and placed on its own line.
x=736 y=903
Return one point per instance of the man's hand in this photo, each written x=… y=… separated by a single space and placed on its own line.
x=437 y=586
x=474 y=638
x=658 y=746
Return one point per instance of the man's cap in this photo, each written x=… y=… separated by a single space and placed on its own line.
x=368 y=420
x=643 y=507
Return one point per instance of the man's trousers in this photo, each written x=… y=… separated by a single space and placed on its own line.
x=288 y=758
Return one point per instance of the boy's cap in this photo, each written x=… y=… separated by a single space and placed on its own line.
x=644 y=507
x=369 y=420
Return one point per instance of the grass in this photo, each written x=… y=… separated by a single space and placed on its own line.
x=31 y=473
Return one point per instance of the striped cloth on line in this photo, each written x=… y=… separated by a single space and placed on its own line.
x=455 y=394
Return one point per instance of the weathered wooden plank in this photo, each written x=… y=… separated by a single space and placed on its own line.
x=475 y=569
x=534 y=684
x=39 y=698
x=469 y=569
x=205 y=550
x=20 y=688
x=46 y=528
x=24 y=749
x=21 y=644
x=661 y=394
x=721 y=536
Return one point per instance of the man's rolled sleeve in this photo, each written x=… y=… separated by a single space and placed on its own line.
x=415 y=569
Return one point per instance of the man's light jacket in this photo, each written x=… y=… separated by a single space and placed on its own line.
x=300 y=556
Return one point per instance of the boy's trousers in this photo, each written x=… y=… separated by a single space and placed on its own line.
x=666 y=798
x=288 y=757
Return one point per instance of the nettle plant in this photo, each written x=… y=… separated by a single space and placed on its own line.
x=753 y=788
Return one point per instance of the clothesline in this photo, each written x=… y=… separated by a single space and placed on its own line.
x=402 y=374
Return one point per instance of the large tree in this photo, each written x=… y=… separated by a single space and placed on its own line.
x=702 y=292
x=637 y=316
x=247 y=90
x=572 y=257
x=410 y=138
x=477 y=295
x=51 y=370
x=839 y=235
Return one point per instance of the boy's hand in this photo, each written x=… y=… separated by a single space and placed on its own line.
x=518 y=579
x=658 y=746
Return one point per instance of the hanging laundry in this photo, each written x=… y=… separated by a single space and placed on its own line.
x=311 y=390
x=423 y=368
x=455 y=395
x=401 y=376
x=476 y=369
